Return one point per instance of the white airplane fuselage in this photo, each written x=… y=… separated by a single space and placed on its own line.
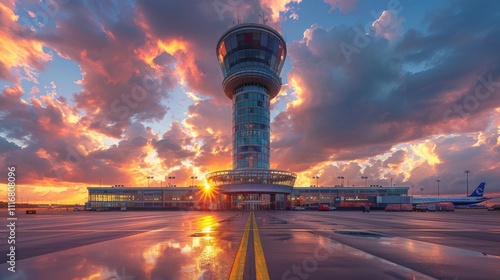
x=475 y=197
x=456 y=200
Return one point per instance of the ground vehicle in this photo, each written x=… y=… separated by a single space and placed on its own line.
x=421 y=208
x=433 y=207
x=324 y=207
x=123 y=208
x=299 y=208
x=445 y=206
x=77 y=209
x=396 y=207
x=331 y=208
x=495 y=207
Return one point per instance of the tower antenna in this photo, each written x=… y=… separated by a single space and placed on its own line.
x=264 y=20
x=237 y=20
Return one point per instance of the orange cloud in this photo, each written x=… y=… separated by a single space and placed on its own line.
x=186 y=66
x=279 y=6
x=18 y=51
x=297 y=84
x=181 y=50
x=426 y=152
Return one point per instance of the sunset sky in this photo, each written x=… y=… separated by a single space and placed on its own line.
x=110 y=92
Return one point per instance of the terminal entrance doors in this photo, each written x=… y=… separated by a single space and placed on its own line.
x=255 y=201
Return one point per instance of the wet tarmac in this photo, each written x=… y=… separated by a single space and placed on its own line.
x=219 y=244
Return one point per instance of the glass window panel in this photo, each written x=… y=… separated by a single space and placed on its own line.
x=234 y=43
x=256 y=37
x=227 y=43
x=248 y=38
x=263 y=40
x=270 y=43
x=268 y=59
x=240 y=39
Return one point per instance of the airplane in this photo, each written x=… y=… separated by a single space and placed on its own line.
x=475 y=197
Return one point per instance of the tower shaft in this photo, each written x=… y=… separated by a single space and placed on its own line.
x=251 y=127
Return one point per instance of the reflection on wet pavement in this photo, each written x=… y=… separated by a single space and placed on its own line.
x=160 y=254
x=308 y=256
x=354 y=250
x=203 y=245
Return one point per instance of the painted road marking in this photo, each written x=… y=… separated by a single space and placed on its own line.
x=260 y=261
x=241 y=255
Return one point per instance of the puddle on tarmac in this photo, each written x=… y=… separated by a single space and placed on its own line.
x=361 y=233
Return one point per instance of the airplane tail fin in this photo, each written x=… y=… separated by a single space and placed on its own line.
x=478 y=192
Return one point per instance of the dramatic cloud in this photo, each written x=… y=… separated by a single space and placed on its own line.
x=20 y=49
x=388 y=26
x=173 y=147
x=54 y=144
x=212 y=126
x=278 y=7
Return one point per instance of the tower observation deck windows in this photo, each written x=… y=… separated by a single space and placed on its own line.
x=245 y=49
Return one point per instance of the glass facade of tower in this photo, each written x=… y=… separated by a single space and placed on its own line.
x=251 y=127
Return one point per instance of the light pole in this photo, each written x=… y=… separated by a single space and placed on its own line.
x=467 y=172
x=412 y=191
x=170 y=180
x=422 y=190
x=341 y=178
x=391 y=182
x=365 y=178
x=192 y=180
x=317 y=179
x=149 y=177
x=438 y=185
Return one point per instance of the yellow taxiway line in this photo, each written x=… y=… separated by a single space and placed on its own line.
x=260 y=261
x=239 y=262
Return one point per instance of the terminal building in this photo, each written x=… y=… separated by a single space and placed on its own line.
x=117 y=197
x=195 y=198
x=251 y=57
x=349 y=197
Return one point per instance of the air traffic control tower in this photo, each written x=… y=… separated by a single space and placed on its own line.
x=251 y=57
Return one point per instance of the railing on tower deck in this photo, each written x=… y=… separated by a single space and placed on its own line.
x=251 y=176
